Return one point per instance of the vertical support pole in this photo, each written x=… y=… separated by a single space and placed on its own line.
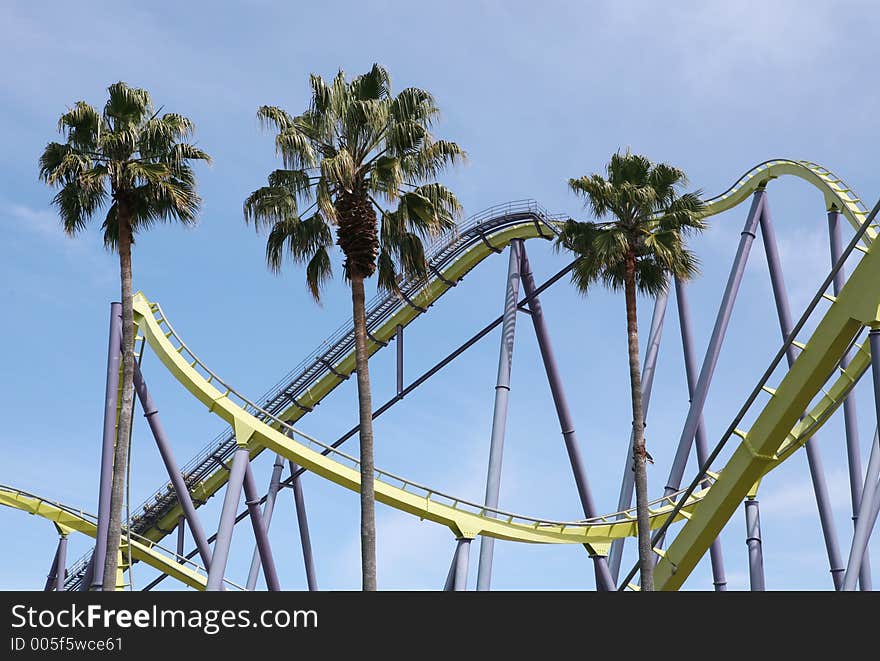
x=627 y=483
x=690 y=366
x=399 y=337
x=252 y=500
x=850 y=419
x=604 y=581
x=462 y=555
x=108 y=445
x=177 y=481
x=499 y=418
x=302 y=522
x=268 y=509
x=871 y=491
x=701 y=392
x=181 y=536
x=450 y=575
x=814 y=459
x=51 y=582
x=61 y=567
x=220 y=556
x=753 y=541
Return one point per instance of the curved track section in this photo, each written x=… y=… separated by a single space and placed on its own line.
x=450 y=259
x=466 y=519
x=72 y=520
x=774 y=436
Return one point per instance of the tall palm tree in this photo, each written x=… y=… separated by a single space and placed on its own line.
x=133 y=159
x=359 y=160
x=636 y=246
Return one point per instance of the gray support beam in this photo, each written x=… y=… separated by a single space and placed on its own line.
x=850 y=419
x=399 y=338
x=302 y=522
x=51 y=577
x=701 y=392
x=753 y=541
x=177 y=481
x=268 y=508
x=627 y=483
x=462 y=555
x=604 y=581
x=181 y=536
x=220 y=556
x=261 y=534
x=868 y=508
x=871 y=490
x=814 y=458
x=450 y=575
x=690 y=365
x=61 y=567
x=108 y=445
x=499 y=417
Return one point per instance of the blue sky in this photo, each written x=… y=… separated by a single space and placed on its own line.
x=536 y=94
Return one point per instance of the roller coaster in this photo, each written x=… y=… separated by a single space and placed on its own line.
x=824 y=354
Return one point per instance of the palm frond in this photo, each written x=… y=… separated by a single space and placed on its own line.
x=270 y=205
x=81 y=126
x=76 y=202
x=372 y=86
x=318 y=271
x=127 y=107
x=274 y=117
x=414 y=105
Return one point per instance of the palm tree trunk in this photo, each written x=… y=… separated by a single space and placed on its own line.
x=123 y=428
x=646 y=554
x=365 y=410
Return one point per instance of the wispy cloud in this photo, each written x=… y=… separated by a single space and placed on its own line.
x=24 y=224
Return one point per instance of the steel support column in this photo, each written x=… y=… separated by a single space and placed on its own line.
x=499 y=418
x=177 y=481
x=220 y=556
x=850 y=419
x=627 y=483
x=701 y=392
x=753 y=541
x=690 y=365
x=302 y=522
x=604 y=581
x=462 y=555
x=399 y=338
x=268 y=508
x=108 y=445
x=870 y=501
x=61 y=566
x=814 y=458
x=868 y=508
x=181 y=536
x=50 y=577
x=450 y=575
x=252 y=500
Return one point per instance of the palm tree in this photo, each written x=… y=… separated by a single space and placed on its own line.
x=360 y=160
x=637 y=249
x=133 y=159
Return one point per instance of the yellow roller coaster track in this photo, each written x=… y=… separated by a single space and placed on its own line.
x=71 y=520
x=779 y=429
